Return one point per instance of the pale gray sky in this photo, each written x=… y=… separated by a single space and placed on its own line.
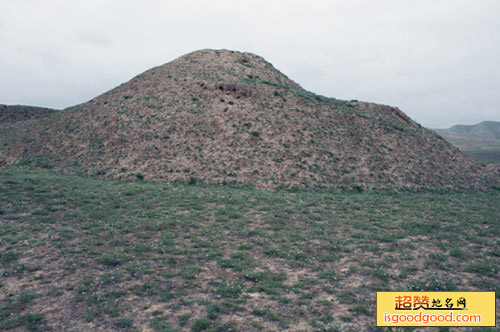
x=437 y=60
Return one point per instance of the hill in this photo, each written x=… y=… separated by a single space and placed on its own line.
x=481 y=142
x=13 y=114
x=223 y=117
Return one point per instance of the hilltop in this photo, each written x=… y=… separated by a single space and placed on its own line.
x=222 y=117
x=480 y=142
x=14 y=114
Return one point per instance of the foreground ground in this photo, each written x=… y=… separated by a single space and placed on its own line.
x=80 y=254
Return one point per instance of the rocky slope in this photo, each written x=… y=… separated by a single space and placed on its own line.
x=219 y=116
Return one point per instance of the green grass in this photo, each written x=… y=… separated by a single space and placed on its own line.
x=78 y=252
x=484 y=155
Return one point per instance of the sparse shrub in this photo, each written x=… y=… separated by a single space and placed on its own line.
x=123 y=323
x=259 y=312
x=483 y=268
x=213 y=310
x=183 y=319
x=8 y=257
x=201 y=324
x=102 y=171
x=255 y=133
x=33 y=321
x=139 y=176
x=160 y=324
x=361 y=309
x=26 y=297
x=358 y=188
x=458 y=253
x=433 y=282
x=113 y=258
x=229 y=291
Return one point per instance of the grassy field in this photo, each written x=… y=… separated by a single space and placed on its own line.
x=484 y=155
x=83 y=254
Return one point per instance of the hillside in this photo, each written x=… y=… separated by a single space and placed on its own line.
x=14 y=114
x=481 y=142
x=224 y=117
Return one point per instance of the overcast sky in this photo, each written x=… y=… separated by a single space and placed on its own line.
x=437 y=60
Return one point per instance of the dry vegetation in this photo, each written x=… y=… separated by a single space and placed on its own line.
x=149 y=209
x=227 y=117
x=80 y=254
x=14 y=115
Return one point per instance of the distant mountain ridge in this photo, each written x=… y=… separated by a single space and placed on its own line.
x=480 y=141
x=223 y=117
